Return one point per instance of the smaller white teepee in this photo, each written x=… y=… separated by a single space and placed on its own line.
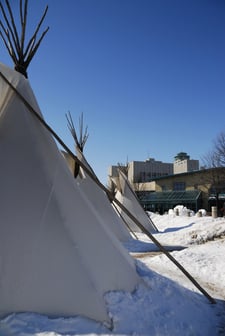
x=97 y=197
x=126 y=196
x=101 y=203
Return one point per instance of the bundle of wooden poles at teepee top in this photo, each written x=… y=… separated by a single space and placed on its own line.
x=79 y=142
x=20 y=53
x=22 y=57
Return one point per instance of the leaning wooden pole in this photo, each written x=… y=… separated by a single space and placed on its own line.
x=109 y=194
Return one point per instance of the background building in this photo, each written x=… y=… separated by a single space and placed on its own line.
x=183 y=163
x=161 y=186
x=146 y=171
x=196 y=190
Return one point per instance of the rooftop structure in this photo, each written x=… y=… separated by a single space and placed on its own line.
x=183 y=163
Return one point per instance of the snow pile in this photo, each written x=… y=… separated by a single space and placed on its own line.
x=188 y=230
x=166 y=303
x=181 y=210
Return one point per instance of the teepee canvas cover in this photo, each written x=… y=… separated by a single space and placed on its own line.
x=126 y=196
x=56 y=257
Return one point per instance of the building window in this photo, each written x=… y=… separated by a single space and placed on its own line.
x=179 y=186
x=142 y=177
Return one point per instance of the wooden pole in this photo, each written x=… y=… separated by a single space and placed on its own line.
x=109 y=194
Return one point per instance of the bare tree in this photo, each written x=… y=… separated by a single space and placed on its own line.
x=210 y=160
x=219 y=151
x=14 y=41
x=214 y=161
x=216 y=156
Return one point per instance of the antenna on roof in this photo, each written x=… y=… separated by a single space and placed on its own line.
x=15 y=44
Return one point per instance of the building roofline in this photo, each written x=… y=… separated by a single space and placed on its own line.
x=186 y=173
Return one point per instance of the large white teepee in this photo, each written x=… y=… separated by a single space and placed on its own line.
x=56 y=257
x=100 y=202
x=126 y=196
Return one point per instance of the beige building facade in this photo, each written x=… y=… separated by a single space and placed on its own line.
x=145 y=171
x=196 y=190
x=183 y=163
x=150 y=169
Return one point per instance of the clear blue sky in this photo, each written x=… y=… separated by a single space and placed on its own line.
x=148 y=75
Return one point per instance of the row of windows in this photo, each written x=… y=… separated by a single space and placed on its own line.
x=144 y=177
x=177 y=186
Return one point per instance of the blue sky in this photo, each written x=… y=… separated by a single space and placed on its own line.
x=148 y=76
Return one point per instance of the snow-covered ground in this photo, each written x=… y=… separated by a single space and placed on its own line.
x=166 y=303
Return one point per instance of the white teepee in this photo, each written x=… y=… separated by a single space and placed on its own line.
x=126 y=196
x=56 y=256
x=100 y=202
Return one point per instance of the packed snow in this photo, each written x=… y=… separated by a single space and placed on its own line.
x=166 y=302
